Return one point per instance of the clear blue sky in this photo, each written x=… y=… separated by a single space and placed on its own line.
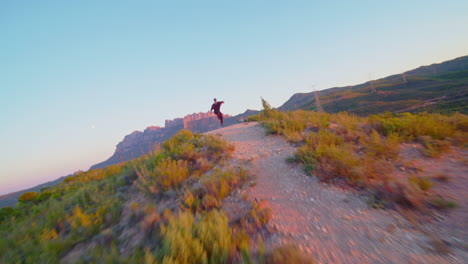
x=77 y=76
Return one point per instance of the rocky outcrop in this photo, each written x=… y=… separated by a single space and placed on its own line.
x=174 y=122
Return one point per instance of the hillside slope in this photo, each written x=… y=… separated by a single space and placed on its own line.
x=11 y=199
x=439 y=88
x=165 y=207
x=236 y=200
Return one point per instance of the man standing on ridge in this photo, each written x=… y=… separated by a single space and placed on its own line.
x=216 y=106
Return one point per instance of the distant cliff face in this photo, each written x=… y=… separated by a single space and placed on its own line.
x=139 y=143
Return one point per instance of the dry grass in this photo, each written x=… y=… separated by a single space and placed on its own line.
x=288 y=254
x=366 y=150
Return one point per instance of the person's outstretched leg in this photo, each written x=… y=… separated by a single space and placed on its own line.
x=220 y=117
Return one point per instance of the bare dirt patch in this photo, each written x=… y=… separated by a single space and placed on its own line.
x=447 y=226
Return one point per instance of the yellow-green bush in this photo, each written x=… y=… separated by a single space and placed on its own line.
x=288 y=254
x=27 y=196
x=46 y=194
x=79 y=218
x=178 y=143
x=372 y=169
x=171 y=173
x=348 y=121
x=433 y=147
x=337 y=161
x=95 y=174
x=166 y=175
x=210 y=202
x=221 y=182
x=409 y=126
x=188 y=240
x=323 y=137
x=424 y=183
x=6 y=213
x=379 y=146
x=214 y=147
x=257 y=217
x=443 y=203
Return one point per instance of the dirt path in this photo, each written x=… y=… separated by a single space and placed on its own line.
x=332 y=225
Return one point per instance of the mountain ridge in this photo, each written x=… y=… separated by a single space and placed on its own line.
x=447 y=81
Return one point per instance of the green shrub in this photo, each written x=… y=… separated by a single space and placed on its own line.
x=210 y=202
x=294 y=137
x=42 y=196
x=171 y=173
x=187 y=240
x=369 y=169
x=424 y=183
x=69 y=179
x=221 y=182
x=189 y=200
x=443 y=203
x=184 y=155
x=214 y=147
x=409 y=126
x=348 y=121
x=381 y=147
x=268 y=112
x=113 y=169
x=27 y=196
x=433 y=147
x=288 y=254
x=337 y=161
x=178 y=143
x=257 y=217
x=323 y=137
x=7 y=212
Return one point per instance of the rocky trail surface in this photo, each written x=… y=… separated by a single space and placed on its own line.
x=331 y=224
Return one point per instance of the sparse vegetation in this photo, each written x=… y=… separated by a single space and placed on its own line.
x=443 y=203
x=366 y=150
x=434 y=147
x=423 y=183
x=178 y=217
x=288 y=254
x=188 y=240
x=28 y=196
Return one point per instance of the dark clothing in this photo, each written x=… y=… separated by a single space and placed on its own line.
x=220 y=117
x=216 y=108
